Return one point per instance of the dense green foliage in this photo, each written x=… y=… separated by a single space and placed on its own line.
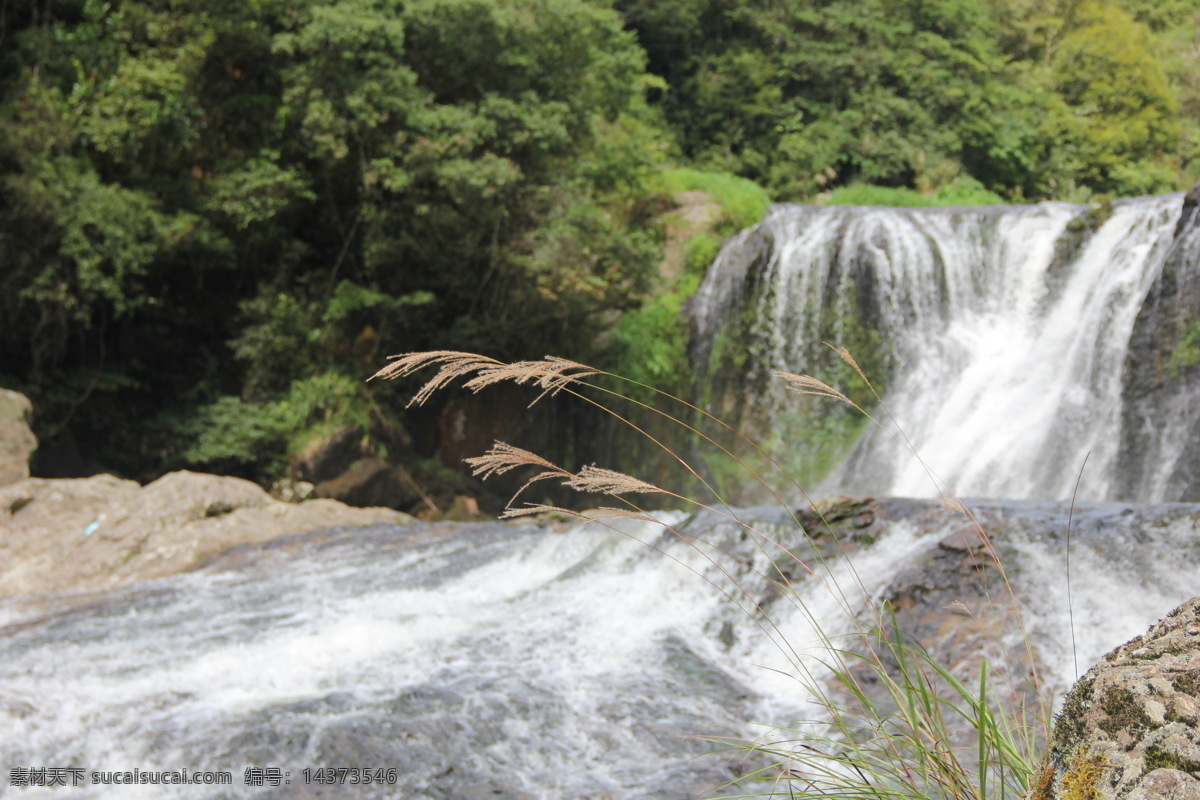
x=744 y=202
x=1030 y=97
x=208 y=205
x=961 y=192
x=212 y=212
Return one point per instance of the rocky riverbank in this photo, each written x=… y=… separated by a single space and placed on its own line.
x=86 y=534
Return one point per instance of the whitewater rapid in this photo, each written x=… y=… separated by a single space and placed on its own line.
x=554 y=660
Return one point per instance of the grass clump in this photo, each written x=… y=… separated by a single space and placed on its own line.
x=884 y=708
x=1186 y=353
x=699 y=253
x=961 y=192
x=744 y=202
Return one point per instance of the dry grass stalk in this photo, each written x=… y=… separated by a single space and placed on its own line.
x=593 y=515
x=844 y=354
x=550 y=374
x=504 y=457
x=806 y=384
x=455 y=364
x=535 y=508
x=954 y=503
x=609 y=481
x=608 y=512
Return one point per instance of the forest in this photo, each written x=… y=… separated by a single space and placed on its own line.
x=218 y=218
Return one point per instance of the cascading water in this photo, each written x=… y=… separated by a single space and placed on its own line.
x=549 y=661
x=517 y=661
x=1004 y=333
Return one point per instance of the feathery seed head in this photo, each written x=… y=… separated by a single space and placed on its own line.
x=550 y=374
x=598 y=479
x=806 y=384
x=455 y=364
x=504 y=457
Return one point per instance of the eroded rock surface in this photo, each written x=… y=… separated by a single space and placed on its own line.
x=1130 y=727
x=17 y=441
x=95 y=533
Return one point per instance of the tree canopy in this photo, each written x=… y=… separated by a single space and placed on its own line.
x=217 y=217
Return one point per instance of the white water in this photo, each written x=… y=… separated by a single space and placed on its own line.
x=523 y=662
x=1009 y=361
x=507 y=661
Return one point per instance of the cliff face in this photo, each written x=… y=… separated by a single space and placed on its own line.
x=1162 y=371
x=1130 y=728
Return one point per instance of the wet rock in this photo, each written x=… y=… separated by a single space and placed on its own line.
x=92 y=533
x=834 y=512
x=17 y=442
x=1188 y=216
x=949 y=602
x=372 y=482
x=1130 y=727
x=1160 y=395
x=965 y=539
x=849 y=520
x=326 y=457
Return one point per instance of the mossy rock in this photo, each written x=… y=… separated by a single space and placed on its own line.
x=1130 y=728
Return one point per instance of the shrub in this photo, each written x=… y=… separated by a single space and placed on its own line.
x=233 y=433
x=1186 y=353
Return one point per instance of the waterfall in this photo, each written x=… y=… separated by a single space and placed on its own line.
x=1004 y=337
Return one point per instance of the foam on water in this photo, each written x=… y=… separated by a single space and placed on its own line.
x=522 y=661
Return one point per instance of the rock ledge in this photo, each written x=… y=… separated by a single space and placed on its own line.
x=85 y=534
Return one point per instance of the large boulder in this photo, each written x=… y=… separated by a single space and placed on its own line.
x=1130 y=727
x=325 y=457
x=17 y=441
x=93 y=533
x=372 y=482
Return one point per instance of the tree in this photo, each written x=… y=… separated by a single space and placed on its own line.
x=206 y=201
x=1115 y=115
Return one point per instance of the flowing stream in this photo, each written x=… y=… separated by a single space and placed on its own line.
x=506 y=660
